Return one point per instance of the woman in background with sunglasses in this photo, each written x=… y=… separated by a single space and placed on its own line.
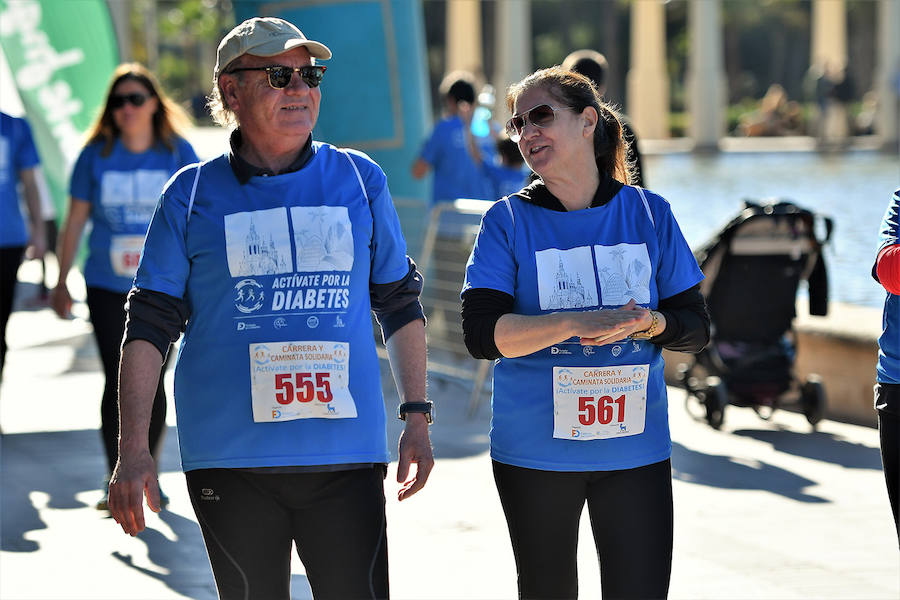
x=132 y=149
x=575 y=285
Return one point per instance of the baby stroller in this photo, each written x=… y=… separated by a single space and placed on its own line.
x=753 y=267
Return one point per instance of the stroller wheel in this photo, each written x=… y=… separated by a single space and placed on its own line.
x=812 y=397
x=682 y=372
x=715 y=399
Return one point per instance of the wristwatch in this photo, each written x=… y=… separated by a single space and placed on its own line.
x=650 y=331
x=426 y=408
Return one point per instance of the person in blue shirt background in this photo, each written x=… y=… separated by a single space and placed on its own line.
x=455 y=173
x=574 y=286
x=886 y=271
x=507 y=172
x=19 y=162
x=134 y=146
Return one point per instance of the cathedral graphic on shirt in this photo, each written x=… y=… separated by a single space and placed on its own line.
x=260 y=255
x=569 y=293
x=566 y=278
x=258 y=243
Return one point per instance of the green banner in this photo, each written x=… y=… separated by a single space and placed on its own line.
x=61 y=54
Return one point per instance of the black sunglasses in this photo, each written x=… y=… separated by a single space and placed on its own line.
x=539 y=116
x=118 y=101
x=280 y=76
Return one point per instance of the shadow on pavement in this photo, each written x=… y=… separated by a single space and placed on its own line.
x=28 y=297
x=182 y=562
x=818 y=445
x=61 y=464
x=722 y=471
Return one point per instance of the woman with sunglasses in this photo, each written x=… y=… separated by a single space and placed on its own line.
x=574 y=286
x=132 y=149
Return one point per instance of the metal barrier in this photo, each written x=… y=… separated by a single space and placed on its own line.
x=448 y=241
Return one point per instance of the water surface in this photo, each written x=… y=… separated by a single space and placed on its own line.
x=853 y=188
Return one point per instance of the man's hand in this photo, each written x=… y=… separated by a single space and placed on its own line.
x=37 y=245
x=131 y=479
x=61 y=301
x=415 y=447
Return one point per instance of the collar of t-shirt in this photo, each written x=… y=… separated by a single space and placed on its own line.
x=244 y=170
x=537 y=193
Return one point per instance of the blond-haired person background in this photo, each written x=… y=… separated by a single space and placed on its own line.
x=133 y=147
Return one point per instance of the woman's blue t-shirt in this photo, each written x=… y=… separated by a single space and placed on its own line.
x=123 y=188
x=563 y=408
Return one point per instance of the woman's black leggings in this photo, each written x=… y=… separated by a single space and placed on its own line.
x=10 y=259
x=631 y=517
x=108 y=318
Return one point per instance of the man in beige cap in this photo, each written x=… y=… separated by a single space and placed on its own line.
x=270 y=259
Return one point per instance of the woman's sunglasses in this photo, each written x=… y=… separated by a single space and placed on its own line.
x=118 y=101
x=280 y=76
x=539 y=116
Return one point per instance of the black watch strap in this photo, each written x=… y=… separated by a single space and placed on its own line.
x=426 y=408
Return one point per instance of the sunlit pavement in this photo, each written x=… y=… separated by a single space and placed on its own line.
x=762 y=509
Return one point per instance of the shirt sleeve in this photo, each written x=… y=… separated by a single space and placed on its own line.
x=677 y=269
x=890 y=223
x=492 y=264
x=889 y=232
x=82 y=184
x=481 y=309
x=388 y=250
x=165 y=264
x=154 y=317
x=687 y=321
x=26 y=155
x=397 y=303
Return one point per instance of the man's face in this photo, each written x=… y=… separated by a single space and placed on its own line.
x=265 y=113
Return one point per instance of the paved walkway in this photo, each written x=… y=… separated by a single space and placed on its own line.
x=763 y=509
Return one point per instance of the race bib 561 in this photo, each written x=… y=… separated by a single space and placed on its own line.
x=591 y=403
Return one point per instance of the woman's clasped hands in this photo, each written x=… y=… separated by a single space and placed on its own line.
x=606 y=326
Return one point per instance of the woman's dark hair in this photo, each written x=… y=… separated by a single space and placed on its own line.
x=169 y=121
x=577 y=92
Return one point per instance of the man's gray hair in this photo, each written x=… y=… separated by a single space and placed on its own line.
x=219 y=110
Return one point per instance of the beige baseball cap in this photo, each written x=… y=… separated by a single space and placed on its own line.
x=264 y=36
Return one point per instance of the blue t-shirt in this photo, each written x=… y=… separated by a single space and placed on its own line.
x=278 y=365
x=455 y=174
x=570 y=407
x=888 y=367
x=123 y=189
x=17 y=152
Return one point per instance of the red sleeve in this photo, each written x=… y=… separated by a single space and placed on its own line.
x=888 y=268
